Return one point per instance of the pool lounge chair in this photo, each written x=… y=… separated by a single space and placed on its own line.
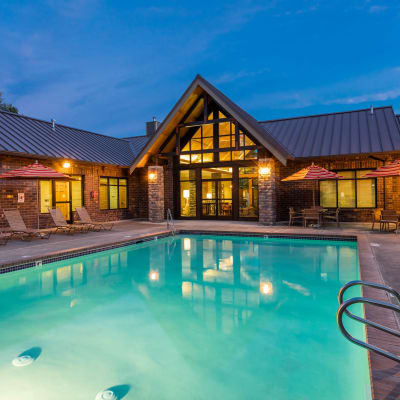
x=4 y=237
x=86 y=220
x=62 y=225
x=19 y=229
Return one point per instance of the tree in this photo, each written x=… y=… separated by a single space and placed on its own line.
x=7 y=107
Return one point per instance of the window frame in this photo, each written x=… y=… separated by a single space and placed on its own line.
x=108 y=192
x=355 y=179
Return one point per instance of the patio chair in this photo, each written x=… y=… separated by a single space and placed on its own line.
x=19 y=229
x=62 y=225
x=332 y=215
x=311 y=214
x=389 y=217
x=87 y=220
x=294 y=216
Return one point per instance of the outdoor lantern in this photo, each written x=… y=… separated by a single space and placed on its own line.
x=152 y=176
x=265 y=170
x=186 y=193
x=66 y=164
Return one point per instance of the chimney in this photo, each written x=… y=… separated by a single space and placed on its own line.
x=151 y=127
x=372 y=109
x=53 y=124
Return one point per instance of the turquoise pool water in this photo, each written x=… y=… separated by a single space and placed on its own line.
x=191 y=317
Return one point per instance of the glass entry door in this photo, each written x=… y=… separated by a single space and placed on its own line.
x=217 y=198
x=62 y=198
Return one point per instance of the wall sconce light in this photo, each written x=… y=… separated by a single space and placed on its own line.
x=66 y=164
x=209 y=195
x=265 y=170
x=152 y=176
x=186 y=193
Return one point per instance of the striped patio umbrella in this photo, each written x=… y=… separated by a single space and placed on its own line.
x=312 y=173
x=35 y=171
x=391 y=169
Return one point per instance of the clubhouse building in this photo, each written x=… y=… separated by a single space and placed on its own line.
x=209 y=159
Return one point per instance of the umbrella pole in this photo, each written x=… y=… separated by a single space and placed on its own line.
x=38 y=205
x=313 y=193
x=384 y=192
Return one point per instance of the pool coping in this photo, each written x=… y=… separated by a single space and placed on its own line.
x=384 y=382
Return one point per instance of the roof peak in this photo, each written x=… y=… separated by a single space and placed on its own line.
x=325 y=114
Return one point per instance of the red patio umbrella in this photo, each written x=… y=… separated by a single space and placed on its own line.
x=312 y=173
x=35 y=171
x=391 y=169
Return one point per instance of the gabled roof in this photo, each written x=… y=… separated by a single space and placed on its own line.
x=197 y=88
x=342 y=133
x=22 y=135
x=137 y=143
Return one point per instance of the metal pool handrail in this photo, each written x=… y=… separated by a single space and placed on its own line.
x=170 y=222
x=363 y=300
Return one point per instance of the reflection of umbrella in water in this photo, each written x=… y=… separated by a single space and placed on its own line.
x=35 y=171
x=312 y=173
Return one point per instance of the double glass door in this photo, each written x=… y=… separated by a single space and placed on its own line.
x=216 y=198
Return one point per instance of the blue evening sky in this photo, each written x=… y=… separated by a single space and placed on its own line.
x=108 y=66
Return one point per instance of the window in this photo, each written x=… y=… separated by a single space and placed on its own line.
x=248 y=192
x=208 y=144
x=188 y=192
x=46 y=196
x=113 y=193
x=353 y=191
x=76 y=192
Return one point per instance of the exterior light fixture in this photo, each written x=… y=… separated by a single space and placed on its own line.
x=265 y=170
x=154 y=275
x=66 y=164
x=266 y=288
x=186 y=193
x=152 y=176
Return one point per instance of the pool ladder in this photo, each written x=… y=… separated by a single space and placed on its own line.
x=343 y=305
x=170 y=222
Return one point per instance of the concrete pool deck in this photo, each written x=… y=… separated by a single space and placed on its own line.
x=379 y=253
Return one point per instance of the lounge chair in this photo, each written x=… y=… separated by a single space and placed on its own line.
x=19 y=229
x=62 y=225
x=4 y=236
x=86 y=220
x=293 y=216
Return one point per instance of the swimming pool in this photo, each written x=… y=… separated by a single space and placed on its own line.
x=187 y=317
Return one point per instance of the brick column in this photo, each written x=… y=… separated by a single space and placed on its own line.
x=156 y=193
x=267 y=191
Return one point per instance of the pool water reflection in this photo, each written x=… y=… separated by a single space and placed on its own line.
x=195 y=317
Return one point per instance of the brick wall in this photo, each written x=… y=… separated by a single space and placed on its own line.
x=299 y=194
x=9 y=190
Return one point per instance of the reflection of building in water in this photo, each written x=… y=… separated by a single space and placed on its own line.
x=224 y=282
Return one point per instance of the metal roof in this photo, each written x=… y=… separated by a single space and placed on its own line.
x=350 y=132
x=137 y=143
x=20 y=134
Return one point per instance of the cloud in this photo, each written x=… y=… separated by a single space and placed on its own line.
x=375 y=87
x=377 y=9
x=229 y=77
x=74 y=8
